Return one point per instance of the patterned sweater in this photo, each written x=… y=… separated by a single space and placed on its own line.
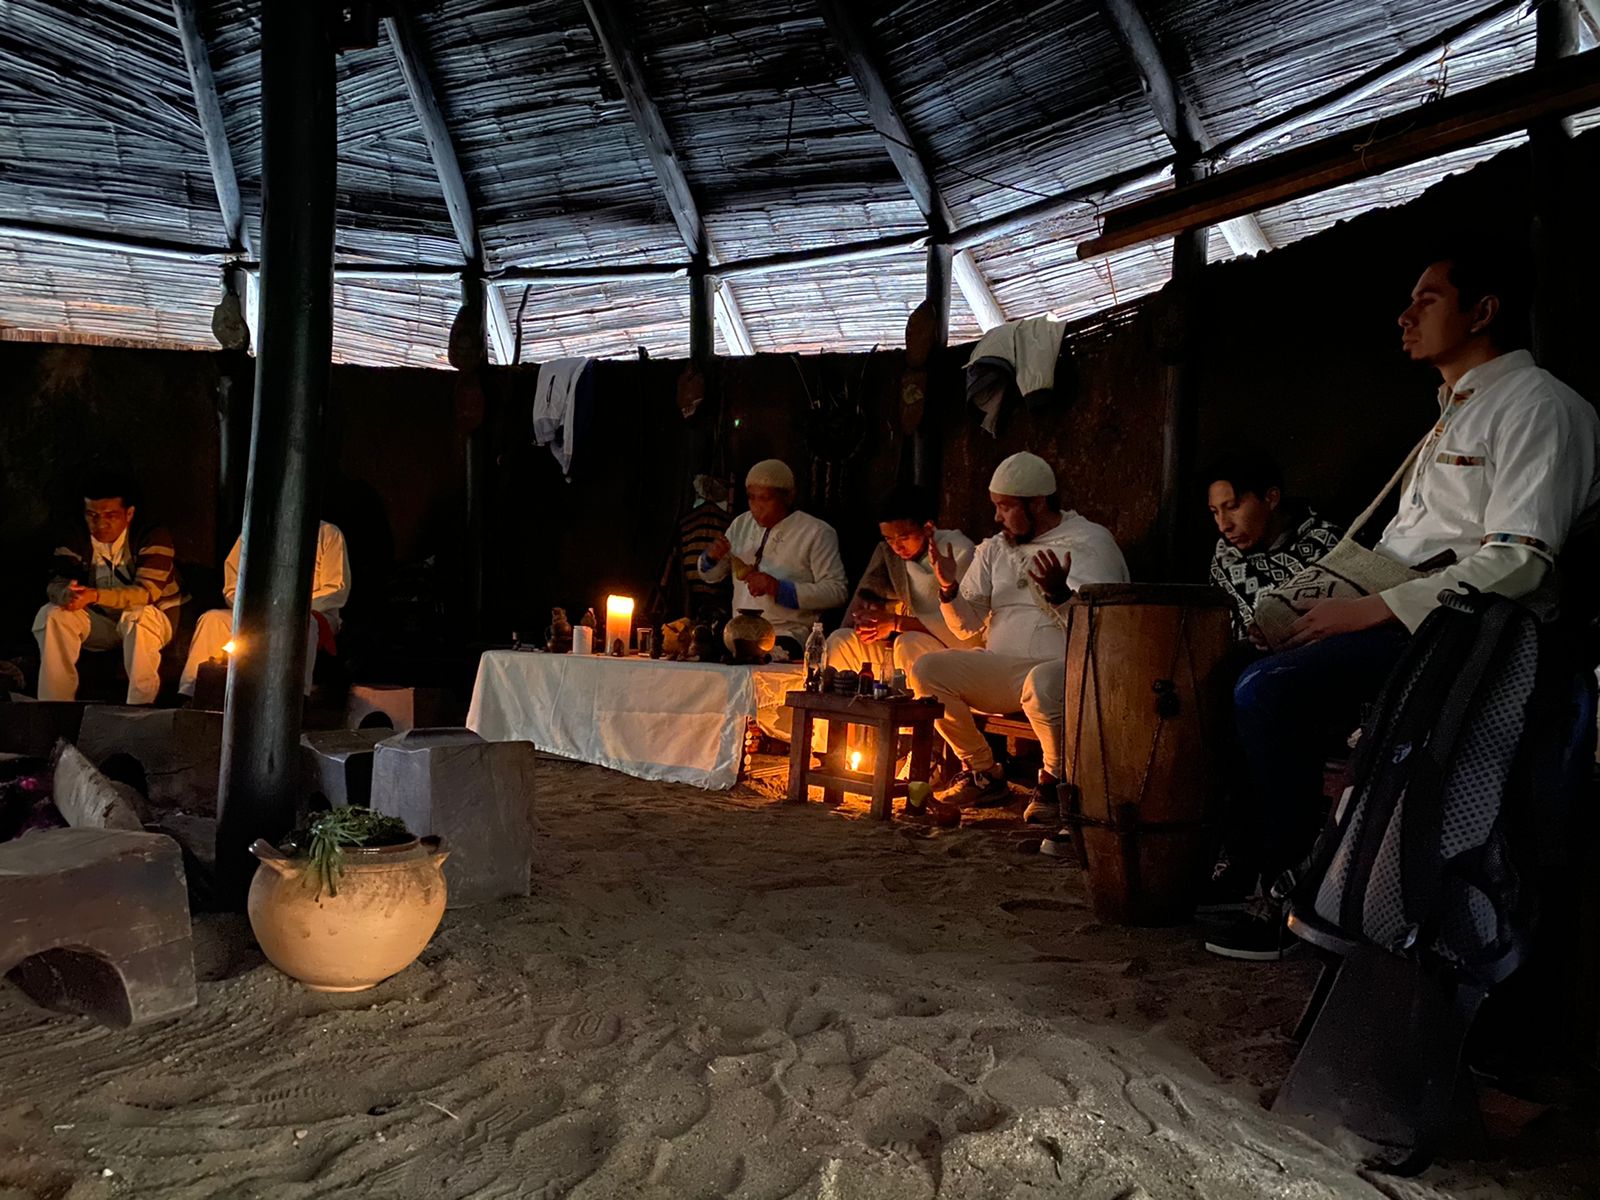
x=1245 y=576
x=151 y=578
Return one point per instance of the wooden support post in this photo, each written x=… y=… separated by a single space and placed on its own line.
x=1178 y=426
x=702 y=329
x=260 y=773
x=1557 y=37
x=925 y=444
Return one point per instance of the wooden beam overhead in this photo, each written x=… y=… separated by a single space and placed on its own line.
x=853 y=37
x=412 y=58
x=611 y=28
x=1454 y=123
x=208 y=107
x=1176 y=116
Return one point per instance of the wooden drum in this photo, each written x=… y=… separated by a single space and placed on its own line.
x=1147 y=705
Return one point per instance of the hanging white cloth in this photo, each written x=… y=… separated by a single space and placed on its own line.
x=555 y=401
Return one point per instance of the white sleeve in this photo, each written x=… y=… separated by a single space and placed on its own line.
x=968 y=614
x=1512 y=571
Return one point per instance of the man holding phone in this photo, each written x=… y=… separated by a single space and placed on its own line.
x=894 y=617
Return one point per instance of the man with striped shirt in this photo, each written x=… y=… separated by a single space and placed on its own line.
x=115 y=583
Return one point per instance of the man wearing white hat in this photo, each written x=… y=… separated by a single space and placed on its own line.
x=1013 y=594
x=789 y=566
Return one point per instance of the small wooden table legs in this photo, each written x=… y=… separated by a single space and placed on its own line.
x=886 y=718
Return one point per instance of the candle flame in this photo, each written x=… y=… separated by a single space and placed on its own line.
x=230 y=646
x=855 y=760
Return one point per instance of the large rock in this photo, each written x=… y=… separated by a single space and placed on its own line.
x=97 y=922
x=477 y=795
x=87 y=799
x=179 y=749
x=338 y=764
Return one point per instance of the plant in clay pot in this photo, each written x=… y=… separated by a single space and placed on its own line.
x=347 y=902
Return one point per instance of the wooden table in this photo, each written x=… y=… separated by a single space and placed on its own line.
x=886 y=718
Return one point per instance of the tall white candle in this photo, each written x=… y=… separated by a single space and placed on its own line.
x=619 y=622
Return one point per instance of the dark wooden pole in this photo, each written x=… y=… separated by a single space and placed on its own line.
x=925 y=443
x=702 y=314
x=261 y=727
x=1548 y=147
x=1178 y=435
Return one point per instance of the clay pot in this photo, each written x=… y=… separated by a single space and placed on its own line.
x=390 y=902
x=749 y=637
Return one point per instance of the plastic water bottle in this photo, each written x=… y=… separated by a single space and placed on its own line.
x=816 y=646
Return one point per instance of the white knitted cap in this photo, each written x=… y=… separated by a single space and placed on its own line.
x=1023 y=474
x=771 y=473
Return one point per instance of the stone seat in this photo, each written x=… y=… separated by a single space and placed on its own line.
x=97 y=923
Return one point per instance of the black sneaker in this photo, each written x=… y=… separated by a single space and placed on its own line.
x=1259 y=935
x=1044 y=805
x=979 y=789
x=1230 y=888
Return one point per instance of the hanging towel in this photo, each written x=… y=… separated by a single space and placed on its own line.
x=1029 y=348
x=555 y=403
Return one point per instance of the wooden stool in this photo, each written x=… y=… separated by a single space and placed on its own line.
x=886 y=718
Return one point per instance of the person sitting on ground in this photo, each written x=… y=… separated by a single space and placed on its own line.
x=1012 y=595
x=115 y=583
x=1266 y=539
x=788 y=561
x=330 y=592
x=894 y=617
x=1510 y=467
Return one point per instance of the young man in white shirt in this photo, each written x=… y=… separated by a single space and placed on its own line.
x=1013 y=595
x=894 y=617
x=330 y=592
x=789 y=564
x=1512 y=464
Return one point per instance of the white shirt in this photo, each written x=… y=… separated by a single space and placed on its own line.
x=330 y=577
x=108 y=557
x=921 y=584
x=800 y=549
x=998 y=599
x=1511 y=465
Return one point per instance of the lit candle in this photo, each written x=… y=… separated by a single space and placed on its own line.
x=855 y=760
x=230 y=646
x=619 y=623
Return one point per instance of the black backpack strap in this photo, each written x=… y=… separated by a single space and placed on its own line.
x=1422 y=866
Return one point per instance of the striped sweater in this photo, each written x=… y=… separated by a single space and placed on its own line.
x=150 y=578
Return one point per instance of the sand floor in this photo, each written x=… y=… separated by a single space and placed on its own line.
x=716 y=995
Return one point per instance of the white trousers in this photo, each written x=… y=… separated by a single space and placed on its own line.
x=965 y=682
x=212 y=632
x=63 y=635
x=847 y=652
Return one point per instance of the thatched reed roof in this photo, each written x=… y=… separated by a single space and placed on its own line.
x=100 y=133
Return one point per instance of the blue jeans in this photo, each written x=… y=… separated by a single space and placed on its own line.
x=1292 y=708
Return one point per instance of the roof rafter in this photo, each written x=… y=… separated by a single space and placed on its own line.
x=412 y=59
x=853 y=38
x=1174 y=113
x=611 y=30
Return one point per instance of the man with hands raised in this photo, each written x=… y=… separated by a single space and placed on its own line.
x=1013 y=595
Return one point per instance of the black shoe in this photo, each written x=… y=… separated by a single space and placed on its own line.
x=979 y=789
x=1044 y=805
x=1259 y=935
x=1230 y=888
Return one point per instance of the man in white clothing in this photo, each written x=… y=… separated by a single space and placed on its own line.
x=1013 y=595
x=1511 y=467
x=330 y=592
x=895 y=616
x=785 y=563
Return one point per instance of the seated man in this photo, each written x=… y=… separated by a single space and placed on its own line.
x=789 y=566
x=1013 y=594
x=115 y=584
x=1265 y=539
x=1512 y=463
x=894 y=617
x=330 y=592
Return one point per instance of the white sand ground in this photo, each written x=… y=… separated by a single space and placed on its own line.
x=715 y=995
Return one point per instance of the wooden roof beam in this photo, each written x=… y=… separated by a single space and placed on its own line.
x=853 y=38
x=412 y=58
x=611 y=28
x=1467 y=119
x=1176 y=116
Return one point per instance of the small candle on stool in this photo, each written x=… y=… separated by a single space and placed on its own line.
x=619 y=622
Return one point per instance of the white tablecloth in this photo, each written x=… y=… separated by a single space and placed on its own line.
x=682 y=722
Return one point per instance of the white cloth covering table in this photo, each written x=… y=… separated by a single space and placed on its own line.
x=649 y=718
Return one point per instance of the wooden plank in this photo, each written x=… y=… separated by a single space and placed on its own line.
x=208 y=107
x=852 y=35
x=610 y=28
x=1475 y=116
x=412 y=58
